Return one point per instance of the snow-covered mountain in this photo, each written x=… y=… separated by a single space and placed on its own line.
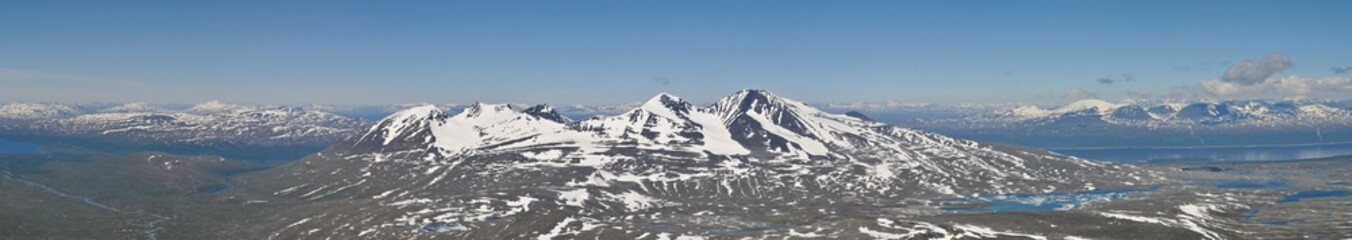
x=15 y=112
x=749 y=124
x=202 y=124
x=135 y=107
x=1130 y=123
x=666 y=167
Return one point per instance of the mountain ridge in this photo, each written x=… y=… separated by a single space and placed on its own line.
x=494 y=171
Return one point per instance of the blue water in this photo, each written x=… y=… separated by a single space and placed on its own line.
x=1315 y=194
x=1228 y=153
x=1251 y=184
x=1296 y=197
x=1041 y=201
x=1282 y=222
x=215 y=189
x=442 y=227
x=7 y=146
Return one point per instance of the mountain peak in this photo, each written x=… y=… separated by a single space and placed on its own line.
x=403 y=123
x=663 y=95
x=664 y=98
x=133 y=107
x=418 y=111
x=546 y=111
x=753 y=94
x=742 y=100
x=1086 y=104
x=667 y=105
x=216 y=106
x=479 y=109
x=754 y=91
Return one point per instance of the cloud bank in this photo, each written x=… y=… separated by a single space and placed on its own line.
x=1290 y=86
x=1249 y=72
x=1259 y=79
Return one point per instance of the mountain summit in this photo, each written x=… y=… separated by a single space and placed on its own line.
x=474 y=174
x=749 y=122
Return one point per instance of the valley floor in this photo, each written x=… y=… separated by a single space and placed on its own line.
x=155 y=195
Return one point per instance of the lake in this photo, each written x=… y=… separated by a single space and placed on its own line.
x=1315 y=194
x=1222 y=153
x=7 y=146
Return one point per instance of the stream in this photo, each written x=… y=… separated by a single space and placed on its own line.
x=149 y=229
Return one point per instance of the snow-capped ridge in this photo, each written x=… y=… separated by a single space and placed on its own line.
x=1087 y=104
x=479 y=109
x=403 y=123
x=667 y=105
x=1233 y=113
x=205 y=124
x=665 y=121
x=755 y=100
x=33 y=111
x=483 y=125
x=134 y=107
x=746 y=122
x=477 y=126
x=216 y=106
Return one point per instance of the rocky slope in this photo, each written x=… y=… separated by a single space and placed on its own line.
x=752 y=164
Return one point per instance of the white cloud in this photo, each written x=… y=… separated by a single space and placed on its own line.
x=1290 y=86
x=1259 y=79
x=1249 y=72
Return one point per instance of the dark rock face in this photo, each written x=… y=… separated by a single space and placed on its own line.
x=546 y=112
x=1163 y=110
x=1202 y=111
x=859 y=115
x=1134 y=113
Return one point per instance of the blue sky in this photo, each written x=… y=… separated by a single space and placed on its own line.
x=598 y=52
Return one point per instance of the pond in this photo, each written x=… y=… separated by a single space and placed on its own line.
x=11 y=147
x=214 y=189
x=1315 y=194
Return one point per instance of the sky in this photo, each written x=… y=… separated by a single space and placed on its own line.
x=610 y=52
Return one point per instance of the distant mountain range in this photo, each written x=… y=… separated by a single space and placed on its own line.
x=1297 y=121
x=211 y=123
x=750 y=165
x=1198 y=114
x=1227 y=114
x=1097 y=123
